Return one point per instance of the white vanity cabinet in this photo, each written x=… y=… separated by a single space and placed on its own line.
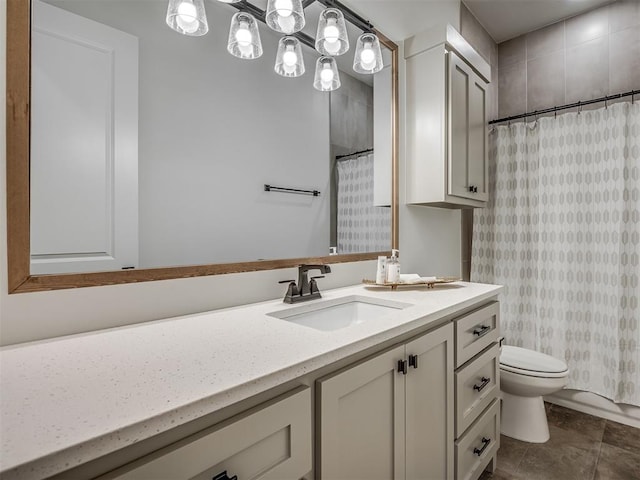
x=390 y=416
x=270 y=442
x=447 y=89
x=477 y=389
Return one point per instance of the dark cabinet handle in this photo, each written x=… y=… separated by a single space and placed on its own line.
x=485 y=382
x=486 y=442
x=413 y=361
x=473 y=189
x=224 y=476
x=482 y=331
x=402 y=367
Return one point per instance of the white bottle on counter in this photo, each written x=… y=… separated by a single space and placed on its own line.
x=393 y=267
x=381 y=272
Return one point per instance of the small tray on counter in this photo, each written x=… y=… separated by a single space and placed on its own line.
x=427 y=283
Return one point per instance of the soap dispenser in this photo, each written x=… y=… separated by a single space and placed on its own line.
x=393 y=268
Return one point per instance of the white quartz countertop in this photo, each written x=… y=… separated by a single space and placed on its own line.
x=69 y=400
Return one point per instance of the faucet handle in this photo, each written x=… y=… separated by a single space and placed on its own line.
x=292 y=291
x=313 y=286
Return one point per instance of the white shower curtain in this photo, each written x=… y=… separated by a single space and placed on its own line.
x=362 y=227
x=562 y=232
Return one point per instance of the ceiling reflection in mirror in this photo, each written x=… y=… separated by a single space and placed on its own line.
x=152 y=149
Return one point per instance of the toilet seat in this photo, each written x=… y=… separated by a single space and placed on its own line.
x=531 y=363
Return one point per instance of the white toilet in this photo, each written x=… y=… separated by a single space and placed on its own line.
x=525 y=376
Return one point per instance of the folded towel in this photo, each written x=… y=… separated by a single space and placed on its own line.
x=410 y=278
x=428 y=279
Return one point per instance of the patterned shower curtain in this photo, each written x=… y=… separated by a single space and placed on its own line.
x=362 y=227
x=561 y=232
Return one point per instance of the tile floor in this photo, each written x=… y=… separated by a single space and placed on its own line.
x=581 y=447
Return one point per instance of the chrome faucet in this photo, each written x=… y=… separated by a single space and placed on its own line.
x=305 y=289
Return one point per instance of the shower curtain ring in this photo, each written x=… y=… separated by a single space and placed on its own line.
x=579 y=108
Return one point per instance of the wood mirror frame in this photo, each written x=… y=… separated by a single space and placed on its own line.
x=20 y=280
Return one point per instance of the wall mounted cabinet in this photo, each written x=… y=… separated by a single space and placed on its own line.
x=447 y=87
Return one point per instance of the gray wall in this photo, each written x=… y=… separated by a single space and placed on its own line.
x=582 y=58
x=213 y=130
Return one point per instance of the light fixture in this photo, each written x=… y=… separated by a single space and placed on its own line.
x=187 y=17
x=331 y=38
x=368 y=56
x=326 y=78
x=244 y=38
x=285 y=16
x=289 y=62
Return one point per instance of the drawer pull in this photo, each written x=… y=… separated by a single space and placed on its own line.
x=485 y=382
x=402 y=367
x=224 y=476
x=478 y=451
x=482 y=331
x=413 y=361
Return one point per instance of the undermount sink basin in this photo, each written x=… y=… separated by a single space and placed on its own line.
x=339 y=313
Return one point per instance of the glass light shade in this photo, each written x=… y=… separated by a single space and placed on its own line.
x=285 y=16
x=368 y=56
x=327 y=77
x=244 y=38
x=187 y=17
x=289 y=62
x=331 y=38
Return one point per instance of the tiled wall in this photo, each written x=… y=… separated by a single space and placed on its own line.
x=478 y=37
x=582 y=58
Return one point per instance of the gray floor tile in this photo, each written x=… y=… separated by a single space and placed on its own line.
x=568 y=455
x=498 y=475
x=571 y=420
x=622 y=436
x=511 y=453
x=617 y=464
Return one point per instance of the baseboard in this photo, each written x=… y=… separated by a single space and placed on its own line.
x=592 y=404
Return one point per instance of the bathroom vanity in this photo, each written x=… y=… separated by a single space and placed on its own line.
x=407 y=378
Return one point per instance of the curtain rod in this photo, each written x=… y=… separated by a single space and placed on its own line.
x=338 y=157
x=564 y=107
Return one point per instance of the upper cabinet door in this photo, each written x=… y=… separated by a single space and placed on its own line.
x=477 y=162
x=467 y=148
x=84 y=144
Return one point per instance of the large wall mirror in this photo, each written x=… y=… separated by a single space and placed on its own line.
x=136 y=152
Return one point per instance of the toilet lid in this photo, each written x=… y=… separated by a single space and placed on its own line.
x=530 y=362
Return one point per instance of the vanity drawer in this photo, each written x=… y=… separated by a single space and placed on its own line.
x=477 y=385
x=476 y=447
x=476 y=331
x=271 y=441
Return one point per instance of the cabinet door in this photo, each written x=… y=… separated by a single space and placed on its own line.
x=477 y=161
x=467 y=95
x=429 y=407
x=362 y=419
